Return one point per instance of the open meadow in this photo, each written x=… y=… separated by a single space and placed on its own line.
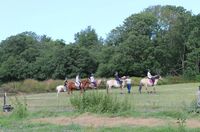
x=170 y=109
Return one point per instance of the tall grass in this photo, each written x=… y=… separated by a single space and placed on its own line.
x=98 y=102
x=20 y=109
x=31 y=86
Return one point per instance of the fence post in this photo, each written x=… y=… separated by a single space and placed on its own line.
x=6 y=108
x=4 y=99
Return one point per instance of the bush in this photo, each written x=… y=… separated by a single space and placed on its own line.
x=20 y=109
x=31 y=86
x=194 y=107
x=97 y=102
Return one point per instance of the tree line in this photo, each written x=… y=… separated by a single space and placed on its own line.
x=164 y=39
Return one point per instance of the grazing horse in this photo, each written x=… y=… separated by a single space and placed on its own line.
x=60 y=88
x=113 y=83
x=146 y=82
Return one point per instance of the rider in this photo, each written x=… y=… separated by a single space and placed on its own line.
x=92 y=80
x=150 y=77
x=65 y=84
x=117 y=78
x=198 y=97
x=78 y=81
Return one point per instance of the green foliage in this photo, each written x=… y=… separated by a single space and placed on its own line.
x=97 y=102
x=194 y=107
x=32 y=86
x=164 y=39
x=20 y=109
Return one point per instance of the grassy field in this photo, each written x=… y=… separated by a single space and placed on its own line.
x=169 y=103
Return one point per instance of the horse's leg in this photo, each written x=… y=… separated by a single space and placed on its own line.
x=122 y=88
x=154 y=89
x=57 y=92
x=81 y=91
x=107 y=89
x=140 y=88
x=146 y=88
x=69 y=90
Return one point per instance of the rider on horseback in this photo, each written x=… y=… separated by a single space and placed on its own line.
x=65 y=84
x=92 y=80
x=117 y=78
x=150 y=77
x=78 y=81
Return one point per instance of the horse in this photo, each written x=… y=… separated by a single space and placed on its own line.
x=60 y=88
x=71 y=86
x=74 y=86
x=85 y=84
x=98 y=83
x=146 y=82
x=113 y=83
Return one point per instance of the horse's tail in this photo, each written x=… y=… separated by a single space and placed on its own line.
x=140 y=87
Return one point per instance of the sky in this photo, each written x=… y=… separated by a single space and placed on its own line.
x=61 y=19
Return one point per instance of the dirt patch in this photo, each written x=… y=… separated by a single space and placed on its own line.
x=193 y=123
x=96 y=121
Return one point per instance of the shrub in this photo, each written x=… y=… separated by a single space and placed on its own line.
x=194 y=107
x=97 y=102
x=31 y=86
x=20 y=109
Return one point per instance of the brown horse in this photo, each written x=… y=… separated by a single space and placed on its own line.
x=85 y=84
x=73 y=86
x=70 y=87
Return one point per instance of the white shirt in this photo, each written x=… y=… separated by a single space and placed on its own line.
x=77 y=79
x=128 y=81
x=92 y=79
x=149 y=75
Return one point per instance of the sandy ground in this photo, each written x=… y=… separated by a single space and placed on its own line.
x=97 y=121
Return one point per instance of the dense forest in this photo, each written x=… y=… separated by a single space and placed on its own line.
x=165 y=39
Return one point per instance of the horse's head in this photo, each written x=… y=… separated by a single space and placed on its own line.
x=99 y=82
x=158 y=77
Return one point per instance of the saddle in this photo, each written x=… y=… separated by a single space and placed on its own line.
x=151 y=81
x=77 y=85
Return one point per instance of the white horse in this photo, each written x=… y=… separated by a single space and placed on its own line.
x=61 y=88
x=113 y=83
x=146 y=82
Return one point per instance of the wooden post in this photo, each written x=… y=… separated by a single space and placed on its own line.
x=4 y=101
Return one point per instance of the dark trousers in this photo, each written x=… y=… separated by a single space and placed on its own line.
x=129 y=88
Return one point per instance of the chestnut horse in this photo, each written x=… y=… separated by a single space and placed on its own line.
x=85 y=84
x=73 y=86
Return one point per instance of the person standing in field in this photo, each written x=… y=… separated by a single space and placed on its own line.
x=65 y=84
x=128 y=82
x=198 y=97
